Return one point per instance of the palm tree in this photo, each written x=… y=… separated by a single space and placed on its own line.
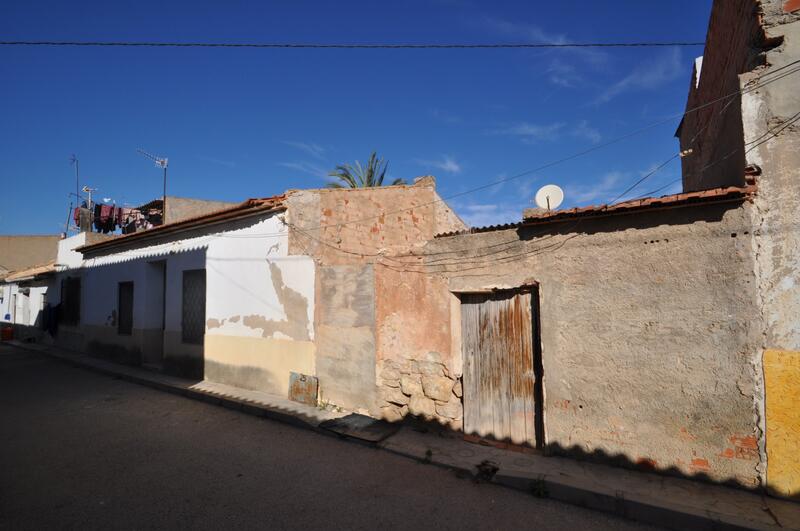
x=358 y=176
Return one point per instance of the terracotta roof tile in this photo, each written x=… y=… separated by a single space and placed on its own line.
x=244 y=208
x=31 y=272
x=537 y=216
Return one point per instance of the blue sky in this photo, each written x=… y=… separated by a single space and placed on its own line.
x=249 y=123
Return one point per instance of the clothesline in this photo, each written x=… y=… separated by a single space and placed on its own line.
x=108 y=218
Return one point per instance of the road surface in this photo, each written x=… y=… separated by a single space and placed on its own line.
x=81 y=450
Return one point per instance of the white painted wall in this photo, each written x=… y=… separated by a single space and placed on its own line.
x=238 y=278
x=6 y=292
x=67 y=257
x=239 y=281
x=28 y=304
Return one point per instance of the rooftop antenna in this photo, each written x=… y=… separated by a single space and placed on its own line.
x=549 y=196
x=73 y=160
x=89 y=191
x=162 y=163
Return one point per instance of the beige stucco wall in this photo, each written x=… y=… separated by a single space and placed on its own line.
x=260 y=364
x=21 y=252
x=774 y=146
x=648 y=334
x=360 y=304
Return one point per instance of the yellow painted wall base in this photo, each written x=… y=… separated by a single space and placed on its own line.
x=782 y=382
x=256 y=363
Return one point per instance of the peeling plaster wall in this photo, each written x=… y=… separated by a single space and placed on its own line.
x=752 y=46
x=778 y=239
x=776 y=234
x=346 y=335
x=714 y=131
x=648 y=336
x=259 y=310
x=363 y=308
x=259 y=304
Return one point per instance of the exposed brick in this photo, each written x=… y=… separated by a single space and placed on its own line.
x=732 y=48
x=700 y=464
x=791 y=5
x=728 y=453
x=744 y=442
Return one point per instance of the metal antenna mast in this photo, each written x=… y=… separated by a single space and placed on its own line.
x=74 y=161
x=162 y=163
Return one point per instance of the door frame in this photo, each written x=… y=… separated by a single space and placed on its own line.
x=532 y=287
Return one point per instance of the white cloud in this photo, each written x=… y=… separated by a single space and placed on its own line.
x=316 y=151
x=481 y=215
x=647 y=76
x=446 y=163
x=563 y=70
x=446 y=117
x=306 y=167
x=563 y=74
x=530 y=133
x=525 y=188
x=599 y=192
x=583 y=130
x=228 y=163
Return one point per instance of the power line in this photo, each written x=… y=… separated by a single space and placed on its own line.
x=351 y=46
x=480 y=261
x=762 y=139
x=757 y=84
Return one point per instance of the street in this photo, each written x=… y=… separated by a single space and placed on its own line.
x=80 y=450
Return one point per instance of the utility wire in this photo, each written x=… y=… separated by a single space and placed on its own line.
x=757 y=141
x=351 y=46
x=757 y=84
x=479 y=261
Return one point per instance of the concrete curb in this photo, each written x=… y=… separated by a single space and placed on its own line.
x=616 y=503
x=664 y=514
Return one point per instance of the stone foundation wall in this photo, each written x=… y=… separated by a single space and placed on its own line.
x=424 y=388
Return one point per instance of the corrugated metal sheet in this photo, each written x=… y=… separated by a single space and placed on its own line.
x=161 y=250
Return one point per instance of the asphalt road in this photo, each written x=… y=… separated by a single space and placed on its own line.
x=80 y=450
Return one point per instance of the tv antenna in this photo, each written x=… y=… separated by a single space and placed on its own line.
x=73 y=160
x=549 y=196
x=161 y=162
x=89 y=191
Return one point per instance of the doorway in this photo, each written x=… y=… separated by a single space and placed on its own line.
x=155 y=296
x=501 y=347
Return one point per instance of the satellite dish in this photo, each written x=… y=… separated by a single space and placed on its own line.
x=549 y=197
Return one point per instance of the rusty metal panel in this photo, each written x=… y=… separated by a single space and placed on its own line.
x=303 y=388
x=499 y=369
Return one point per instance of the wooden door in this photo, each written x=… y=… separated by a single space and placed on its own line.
x=502 y=367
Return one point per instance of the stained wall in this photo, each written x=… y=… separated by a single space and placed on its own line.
x=372 y=329
x=648 y=335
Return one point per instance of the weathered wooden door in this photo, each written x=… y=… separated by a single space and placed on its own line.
x=499 y=336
